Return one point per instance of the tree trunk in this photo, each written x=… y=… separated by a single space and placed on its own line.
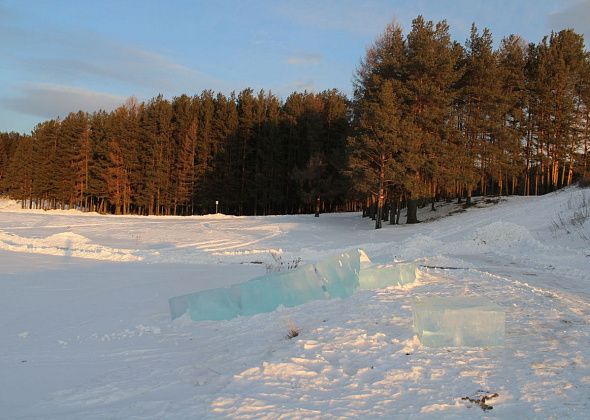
x=394 y=209
x=468 y=201
x=412 y=213
x=433 y=198
x=379 y=215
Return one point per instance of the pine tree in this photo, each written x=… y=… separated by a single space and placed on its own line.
x=509 y=159
x=8 y=144
x=185 y=129
x=18 y=182
x=72 y=160
x=155 y=156
x=430 y=92
x=47 y=174
x=246 y=127
x=205 y=145
x=99 y=135
x=378 y=151
x=480 y=96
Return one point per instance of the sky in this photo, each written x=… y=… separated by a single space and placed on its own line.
x=58 y=56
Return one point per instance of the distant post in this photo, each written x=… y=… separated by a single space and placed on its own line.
x=216 y=206
x=317 y=206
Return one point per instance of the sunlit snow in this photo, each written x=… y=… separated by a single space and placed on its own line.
x=85 y=328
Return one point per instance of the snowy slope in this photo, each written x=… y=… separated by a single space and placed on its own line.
x=85 y=330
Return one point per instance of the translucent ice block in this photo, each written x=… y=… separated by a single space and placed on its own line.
x=382 y=259
x=214 y=304
x=458 y=321
x=289 y=288
x=378 y=277
x=331 y=278
x=364 y=259
x=300 y=286
x=178 y=306
x=406 y=272
x=340 y=274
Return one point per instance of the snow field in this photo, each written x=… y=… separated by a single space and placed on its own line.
x=91 y=337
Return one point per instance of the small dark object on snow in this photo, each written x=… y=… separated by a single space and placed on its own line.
x=480 y=399
x=292 y=332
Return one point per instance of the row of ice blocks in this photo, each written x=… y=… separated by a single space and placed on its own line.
x=336 y=277
x=470 y=321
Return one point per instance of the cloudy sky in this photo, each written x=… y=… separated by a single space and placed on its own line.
x=58 y=56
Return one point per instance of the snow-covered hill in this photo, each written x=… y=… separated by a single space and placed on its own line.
x=85 y=329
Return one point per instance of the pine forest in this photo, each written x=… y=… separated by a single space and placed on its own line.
x=429 y=119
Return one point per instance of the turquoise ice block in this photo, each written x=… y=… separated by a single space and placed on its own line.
x=455 y=321
x=340 y=274
x=259 y=295
x=301 y=286
x=335 y=277
x=406 y=272
x=290 y=288
x=378 y=277
x=178 y=306
x=214 y=304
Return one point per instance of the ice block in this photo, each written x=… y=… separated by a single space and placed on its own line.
x=381 y=259
x=289 y=288
x=470 y=321
x=214 y=304
x=340 y=274
x=407 y=272
x=378 y=277
x=364 y=259
x=178 y=306
x=335 y=277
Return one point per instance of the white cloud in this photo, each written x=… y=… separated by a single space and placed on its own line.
x=576 y=16
x=362 y=17
x=132 y=66
x=84 y=57
x=304 y=59
x=51 y=101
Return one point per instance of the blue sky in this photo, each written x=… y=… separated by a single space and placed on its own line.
x=61 y=56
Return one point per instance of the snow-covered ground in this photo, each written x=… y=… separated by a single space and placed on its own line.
x=85 y=329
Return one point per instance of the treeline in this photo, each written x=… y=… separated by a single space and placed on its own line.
x=430 y=119
x=251 y=152
x=436 y=119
